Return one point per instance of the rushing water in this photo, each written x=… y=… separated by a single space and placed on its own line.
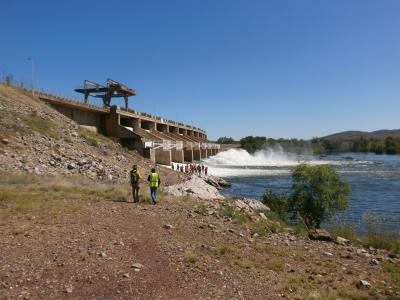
x=375 y=180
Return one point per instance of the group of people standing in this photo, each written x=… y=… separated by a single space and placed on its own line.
x=190 y=168
x=153 y=179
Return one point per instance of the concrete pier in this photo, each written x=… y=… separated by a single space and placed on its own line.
x=203 y=153
x=188 y=155
x=163 y=157
x=177 y=156
x=196 y=154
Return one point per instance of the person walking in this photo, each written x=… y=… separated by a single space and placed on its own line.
x=135 y=180
x=154 y=183
x=206 y=171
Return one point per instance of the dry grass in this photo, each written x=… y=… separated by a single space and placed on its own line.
x=29 y=123
x=49 y=196
x=92 y=138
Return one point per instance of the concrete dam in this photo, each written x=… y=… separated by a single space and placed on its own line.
x=161 y=140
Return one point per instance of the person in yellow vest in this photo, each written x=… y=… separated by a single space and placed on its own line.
x=135 y=180
x=154 y=183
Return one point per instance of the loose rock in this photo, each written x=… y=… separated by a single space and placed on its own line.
x=168 y=226
x=137 y=266
x=363 y=285
x=342 y=241
x=320 y=234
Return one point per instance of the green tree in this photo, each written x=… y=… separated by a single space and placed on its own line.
x=392 y=145
x=225 y=140
x=253 y=143
x=377 y=146
x=360 y=145
x=318 y=194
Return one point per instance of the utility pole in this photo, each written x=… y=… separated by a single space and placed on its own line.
x=33 y=70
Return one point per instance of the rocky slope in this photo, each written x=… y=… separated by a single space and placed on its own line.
x=37 y=139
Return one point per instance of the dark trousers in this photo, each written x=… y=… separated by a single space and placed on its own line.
x=135 y=192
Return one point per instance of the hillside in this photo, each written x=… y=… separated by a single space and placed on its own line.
x=351 y=135
x=68 y=230
x=38 y=139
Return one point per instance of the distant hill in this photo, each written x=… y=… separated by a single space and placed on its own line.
x=349 y=135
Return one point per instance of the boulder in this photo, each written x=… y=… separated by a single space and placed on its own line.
x=196 y=187
x=217 y=182
x=320 y=235
x=342 y=241
x=250 y=204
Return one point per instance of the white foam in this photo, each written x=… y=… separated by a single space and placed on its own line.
x=223 y=164
x=245 y=172
x=240 y=157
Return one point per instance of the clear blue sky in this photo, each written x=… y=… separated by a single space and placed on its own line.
x=235 y=68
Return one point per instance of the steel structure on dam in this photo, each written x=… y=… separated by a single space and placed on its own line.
x=161 y=140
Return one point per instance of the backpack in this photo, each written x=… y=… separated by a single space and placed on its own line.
x=133 y=177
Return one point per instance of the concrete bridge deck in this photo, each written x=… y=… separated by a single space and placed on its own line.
x=161 y=140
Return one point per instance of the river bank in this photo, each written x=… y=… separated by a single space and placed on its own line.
x=81 y=240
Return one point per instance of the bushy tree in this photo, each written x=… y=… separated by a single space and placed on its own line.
x=377 y=146
x=225 y=140
x=392 y=145
x=318 y=194
x=253 y=143
x=277 y=203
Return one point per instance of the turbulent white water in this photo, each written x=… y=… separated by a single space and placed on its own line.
x=240 y=157
x=269 y=161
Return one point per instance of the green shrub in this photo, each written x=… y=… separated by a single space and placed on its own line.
x=191 y=258
x=277 y=203
x=92 y=142
x=236 y=215
x=318 y=194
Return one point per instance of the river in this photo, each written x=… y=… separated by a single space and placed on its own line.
x=375 y=180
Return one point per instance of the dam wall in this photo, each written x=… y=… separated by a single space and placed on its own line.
x=162 y=140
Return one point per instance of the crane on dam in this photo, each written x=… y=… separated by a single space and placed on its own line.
x=112 y=89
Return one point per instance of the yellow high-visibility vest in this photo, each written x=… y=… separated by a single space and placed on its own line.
x=153 y=180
